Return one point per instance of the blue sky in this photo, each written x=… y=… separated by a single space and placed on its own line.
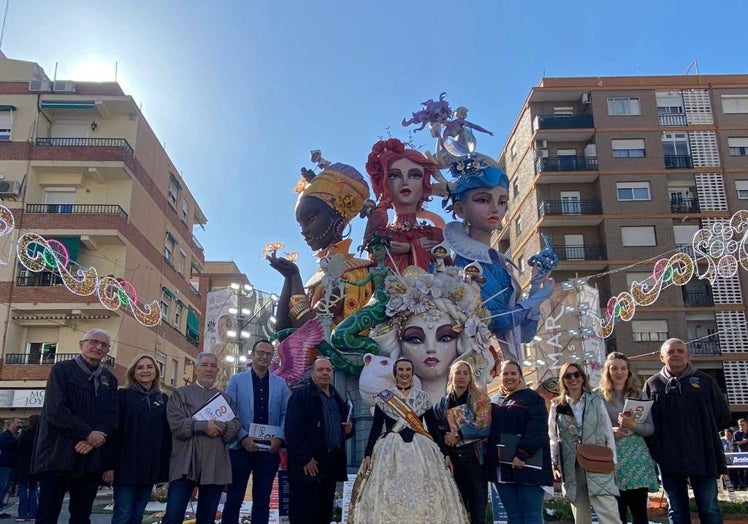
x=240 y=91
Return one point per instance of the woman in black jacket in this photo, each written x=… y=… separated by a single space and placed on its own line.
x=521 y=467
x=28 y=489
x=142 y=441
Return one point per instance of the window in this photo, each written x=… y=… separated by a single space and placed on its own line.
x=623 y=106
x=165 y=306
x=41 y=352
x=633 y=191
x=636 y=276
x=161 y=363
x=521 y=264
x=513 y=148
x=738 y=146
x=638 y=236
x=180 y=261
x=649 y=330
x=628 y=148
x=675 y=144
x=742 y=188
x=515 y=187
x=185 y=210
x=735 y=104
x=178 y=315
x=174 y=188
x=174 y=372
x=6 y=124
x=519 y=225
x=169 y=244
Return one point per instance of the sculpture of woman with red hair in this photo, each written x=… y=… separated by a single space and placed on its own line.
x=401 y=179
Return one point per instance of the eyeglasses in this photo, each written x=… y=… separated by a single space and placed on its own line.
x=260 y=353
x=574 y=374
x=101 y=343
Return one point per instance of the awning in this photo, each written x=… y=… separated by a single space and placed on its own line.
x=166 y=291
x=62 y=104
x=193 y=323
x=7 y=108
x=72 y=246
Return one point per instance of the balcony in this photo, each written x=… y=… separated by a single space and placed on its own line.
x=567 y=163
x=685 y=248
x=43 y=279
x=570 y=207
x=673 y=120
x=678 y=162
x=78 y=209
x=704 y=348
x=571 y=252
x=685 y=205
x=697 y=298
x=564 y=122
x=47 y=359
x=86 y=142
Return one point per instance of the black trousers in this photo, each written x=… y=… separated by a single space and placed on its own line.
x=312 y=501
x=472 y=482
x=52 y=488
x=636 y=501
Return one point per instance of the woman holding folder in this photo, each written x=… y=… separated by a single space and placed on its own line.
x=635 y=472
x=519 y=454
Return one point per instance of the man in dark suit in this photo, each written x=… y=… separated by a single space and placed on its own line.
x=316 y=428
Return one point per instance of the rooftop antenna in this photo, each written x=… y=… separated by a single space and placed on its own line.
x=5 y=17
x=693 y=65
x=116 y=67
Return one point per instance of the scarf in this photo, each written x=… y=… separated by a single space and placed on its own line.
x=94 y=375
x=673 y=381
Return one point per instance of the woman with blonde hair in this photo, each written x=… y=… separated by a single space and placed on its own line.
x=579 y=416
x=521 y=471
x=143 y=433
x=635 y=472
x=464 y=416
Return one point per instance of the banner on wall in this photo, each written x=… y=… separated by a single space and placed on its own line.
x=218 y=320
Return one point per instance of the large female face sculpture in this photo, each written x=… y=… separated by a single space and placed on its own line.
x=320 y=225
x=405 y=185
x=430 y=342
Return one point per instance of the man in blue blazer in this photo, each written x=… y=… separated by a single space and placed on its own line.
x=261 y=399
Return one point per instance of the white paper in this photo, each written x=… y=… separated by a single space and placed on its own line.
x=639 y=408
x=217 y=408
x=262 y=433
x=350 y=411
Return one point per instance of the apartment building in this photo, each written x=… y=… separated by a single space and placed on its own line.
x=80 y=166
x=621 y=171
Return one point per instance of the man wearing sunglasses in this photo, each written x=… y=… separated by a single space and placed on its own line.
x=688 y=410
x=80 y=411
x=261 y=399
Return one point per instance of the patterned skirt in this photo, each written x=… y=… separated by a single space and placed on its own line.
x=635 y=468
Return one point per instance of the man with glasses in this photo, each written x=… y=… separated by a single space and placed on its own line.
x=261 y=399
x=688 y=411
x=80 y=411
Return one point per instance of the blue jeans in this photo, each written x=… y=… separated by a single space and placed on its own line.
x=27 y=499
x=180 y=491
x=130 y=501
x=262 y=466
x=704 y=491
x=523 y=503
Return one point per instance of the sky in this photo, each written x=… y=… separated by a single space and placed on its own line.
x=239 y=92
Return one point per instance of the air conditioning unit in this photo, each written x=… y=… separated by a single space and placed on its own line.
x=10 y=187
x=541 y=144
x=541 y=153
x=63 y=86
x=586 y=99
x=39 y=85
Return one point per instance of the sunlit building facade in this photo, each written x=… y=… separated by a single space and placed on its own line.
x=80 y=166
x=621 y=171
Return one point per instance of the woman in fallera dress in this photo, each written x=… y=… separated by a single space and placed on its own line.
x=408 y=476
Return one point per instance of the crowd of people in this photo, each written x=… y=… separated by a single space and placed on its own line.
x=424 y=461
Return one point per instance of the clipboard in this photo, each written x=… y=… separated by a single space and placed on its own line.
x=507 y=450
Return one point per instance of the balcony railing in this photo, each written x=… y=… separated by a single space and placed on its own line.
x=705 y=348
x=685 y=205
x=571 y=207
x=697 y=298
x=678 y=162
x=42 y=279
x=565 y=121
x=78 y=209
x=86 y=142
x=685 y=248
x=44 y=359
x=672 y=120
x=571 y=252
x=567 y=163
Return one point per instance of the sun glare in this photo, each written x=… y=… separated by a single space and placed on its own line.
x=90 y=70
